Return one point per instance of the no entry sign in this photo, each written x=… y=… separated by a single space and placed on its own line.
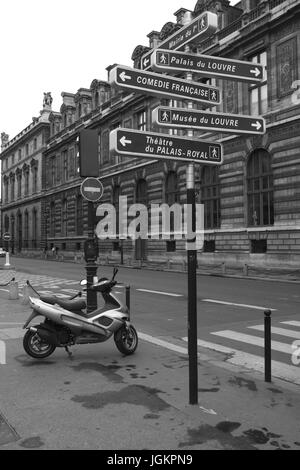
x=91 y=189
x=160 y=146
x=6 y=236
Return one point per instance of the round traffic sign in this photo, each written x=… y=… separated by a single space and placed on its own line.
x=6 y=236
x=92 y=189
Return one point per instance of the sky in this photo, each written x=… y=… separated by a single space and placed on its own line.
x=63 y=45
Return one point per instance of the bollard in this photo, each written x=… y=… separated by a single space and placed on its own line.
x=223 y=268
x=246 y=269
x=13 y=290
x=128 y=298
x=7 y=263
x=26 y=293
x=268 y=351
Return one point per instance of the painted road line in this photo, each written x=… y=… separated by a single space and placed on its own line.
x=239 y=358
x=278 y=331
x=162 y=343
x=159 y=292
x=256 y=307
x=253 y=340
x=291 y=323
x=11 y=333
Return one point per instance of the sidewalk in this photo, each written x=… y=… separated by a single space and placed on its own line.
x=101 y=400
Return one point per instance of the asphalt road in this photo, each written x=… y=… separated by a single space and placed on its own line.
x=230 y=311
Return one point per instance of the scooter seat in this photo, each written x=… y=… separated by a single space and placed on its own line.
x=71 y=305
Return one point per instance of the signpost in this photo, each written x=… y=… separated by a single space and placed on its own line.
x=160 y=146
x=204 y=25
x=211 y=66
x=164 y=86
x=233 y=123
x=91 y=189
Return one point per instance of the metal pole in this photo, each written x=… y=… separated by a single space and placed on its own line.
x=268 y=353
x=128 y=298
x=91 y=266
x=192 y=276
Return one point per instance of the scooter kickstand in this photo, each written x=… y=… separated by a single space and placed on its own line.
x=68 y=352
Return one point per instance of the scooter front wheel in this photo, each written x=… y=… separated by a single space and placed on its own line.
x=126 y=340
x=36 y=347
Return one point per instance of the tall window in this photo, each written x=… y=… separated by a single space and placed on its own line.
x=26 y=174
x=105 y=147
x=34 y=180
x=26 y=229
x=53 y=171
x=260 y=189
x=19 y=154
x=34 y=228
x=64 y=217
x=79 y=215
x=211 y=197
x=19 y=183
x=258 y=93
x=12 y=187
x=116 y=195
x=172 y=197
x=52 y=219
x=65 y=165
x=142 y=121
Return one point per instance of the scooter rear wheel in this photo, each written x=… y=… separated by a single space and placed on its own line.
x=36 y=347
x=126 y=340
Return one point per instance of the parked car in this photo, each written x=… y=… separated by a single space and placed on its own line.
x=2 y=252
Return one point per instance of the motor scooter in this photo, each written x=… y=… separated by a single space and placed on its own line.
x=66 y=322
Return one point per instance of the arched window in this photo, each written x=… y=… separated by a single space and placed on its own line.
x=97 y=99
x=79 y=215
x=210 y=190
x=260 y=189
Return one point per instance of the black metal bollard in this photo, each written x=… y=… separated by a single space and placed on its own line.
x=128 y=298
x=268 y=358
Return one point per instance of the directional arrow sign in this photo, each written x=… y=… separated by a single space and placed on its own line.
x=204 y=25
x=161 y=85
x=235 y=123
x=160 y=146
x=207 y=65
x=91 y=189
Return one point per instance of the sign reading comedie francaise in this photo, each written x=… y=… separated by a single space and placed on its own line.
x=235 y=123
x=160 y=146
x=207 y=65
x=161 y=85
x=204 y=25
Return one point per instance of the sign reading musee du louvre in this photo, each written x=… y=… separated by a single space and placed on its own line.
x=186 y=118
x=159 y=146
x=162 y=85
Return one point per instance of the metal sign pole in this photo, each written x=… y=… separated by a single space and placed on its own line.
x=192 y=278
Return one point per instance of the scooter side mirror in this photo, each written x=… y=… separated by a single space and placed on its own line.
x=83 y=283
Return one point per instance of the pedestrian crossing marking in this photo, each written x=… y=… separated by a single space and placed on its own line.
x=278 y=331
x=292 y=323
x=253 y=340
x=222 y=302
x=240 y=358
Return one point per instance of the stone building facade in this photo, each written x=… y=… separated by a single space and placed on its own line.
x=21 y=159
x=252 y=201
